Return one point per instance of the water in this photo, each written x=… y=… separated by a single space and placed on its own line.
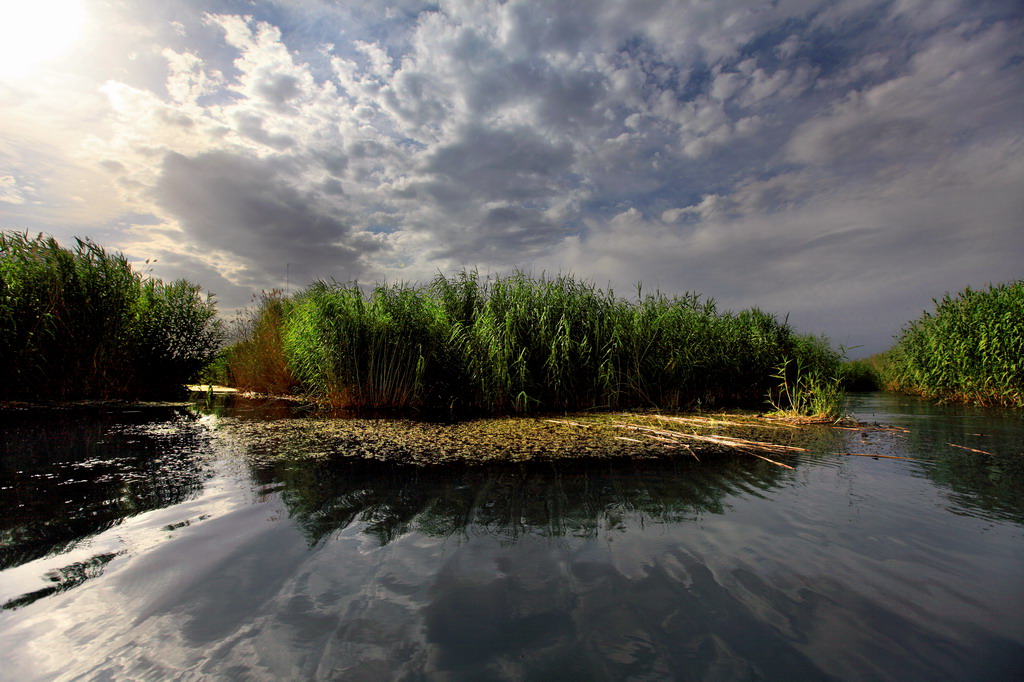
x=161 y=543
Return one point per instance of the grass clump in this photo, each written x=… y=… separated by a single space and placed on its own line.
x=79 y=323
x=520 y=343
x=970 y=349
x=806 y=393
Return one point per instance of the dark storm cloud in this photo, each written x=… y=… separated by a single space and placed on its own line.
x=248 y=208
x=279 y=89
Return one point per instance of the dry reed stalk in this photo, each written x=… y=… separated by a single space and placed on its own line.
x=703 y=421
x=673 y=441
x=718 y=440
x=566 y=421
x=779 y=464
x=664 y=440
x=980 y=452
x=690 y=450
x=742 y=442
x=648 y=429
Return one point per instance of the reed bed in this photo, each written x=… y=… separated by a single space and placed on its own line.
x=518 y=343
x=79 y=323
x=257 y=362
x=970 y=349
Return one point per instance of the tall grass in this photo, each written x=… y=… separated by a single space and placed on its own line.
x=522 y=343
x=864 y=374
x=385 y=349
x=970 y=349
x=80 y=323
x=257 y=361
x=804 y=391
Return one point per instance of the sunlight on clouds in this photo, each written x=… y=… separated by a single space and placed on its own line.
x=35 y=32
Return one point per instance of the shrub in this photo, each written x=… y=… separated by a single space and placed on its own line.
x=863 y=375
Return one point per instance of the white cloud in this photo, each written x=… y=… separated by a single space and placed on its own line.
x=187 y=79
x=10 y=192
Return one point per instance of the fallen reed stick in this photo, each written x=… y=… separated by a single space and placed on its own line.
x=779 y=464
x=704 y=421
x=980 y=452
x=664 y=440
x=718 y=440
x=566 y=421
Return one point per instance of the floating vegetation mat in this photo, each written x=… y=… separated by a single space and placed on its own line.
x=638 y=435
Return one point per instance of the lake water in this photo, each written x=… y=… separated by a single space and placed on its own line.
x=247 y=542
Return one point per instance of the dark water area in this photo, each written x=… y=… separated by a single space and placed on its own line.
x=254 y=541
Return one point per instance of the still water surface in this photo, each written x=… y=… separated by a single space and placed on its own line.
x=163 y=543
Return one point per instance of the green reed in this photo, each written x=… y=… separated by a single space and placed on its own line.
x=257 y=361
x=864 y=374
x=80 y=323
x=383 y=349
x=520 y=343
x=804 y=391
x=970 y=349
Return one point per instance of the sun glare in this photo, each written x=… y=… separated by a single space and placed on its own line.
x=34 y=32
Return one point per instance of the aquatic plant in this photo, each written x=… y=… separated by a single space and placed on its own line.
x=384 y=349
x=863 y=375
x=970 y=349
x=805 y=392
x=80 y=323
x=256 y=362
x=519 y=343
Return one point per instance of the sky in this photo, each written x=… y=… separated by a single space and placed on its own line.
x=840 y=162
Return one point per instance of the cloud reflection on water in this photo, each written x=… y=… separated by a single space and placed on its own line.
x=326 y=566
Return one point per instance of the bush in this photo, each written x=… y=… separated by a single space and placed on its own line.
x=79 y=323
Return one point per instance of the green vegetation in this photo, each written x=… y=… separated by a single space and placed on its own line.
x=515 y=344
x=79 y=323
x=807 y=392
x=864 y=374
x=971 y=349
x=256 y=362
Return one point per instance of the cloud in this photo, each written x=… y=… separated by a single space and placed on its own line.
x=960 y=85
x=237 y=205
x=10 y=193
x=800 y=155
x=489 y=163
